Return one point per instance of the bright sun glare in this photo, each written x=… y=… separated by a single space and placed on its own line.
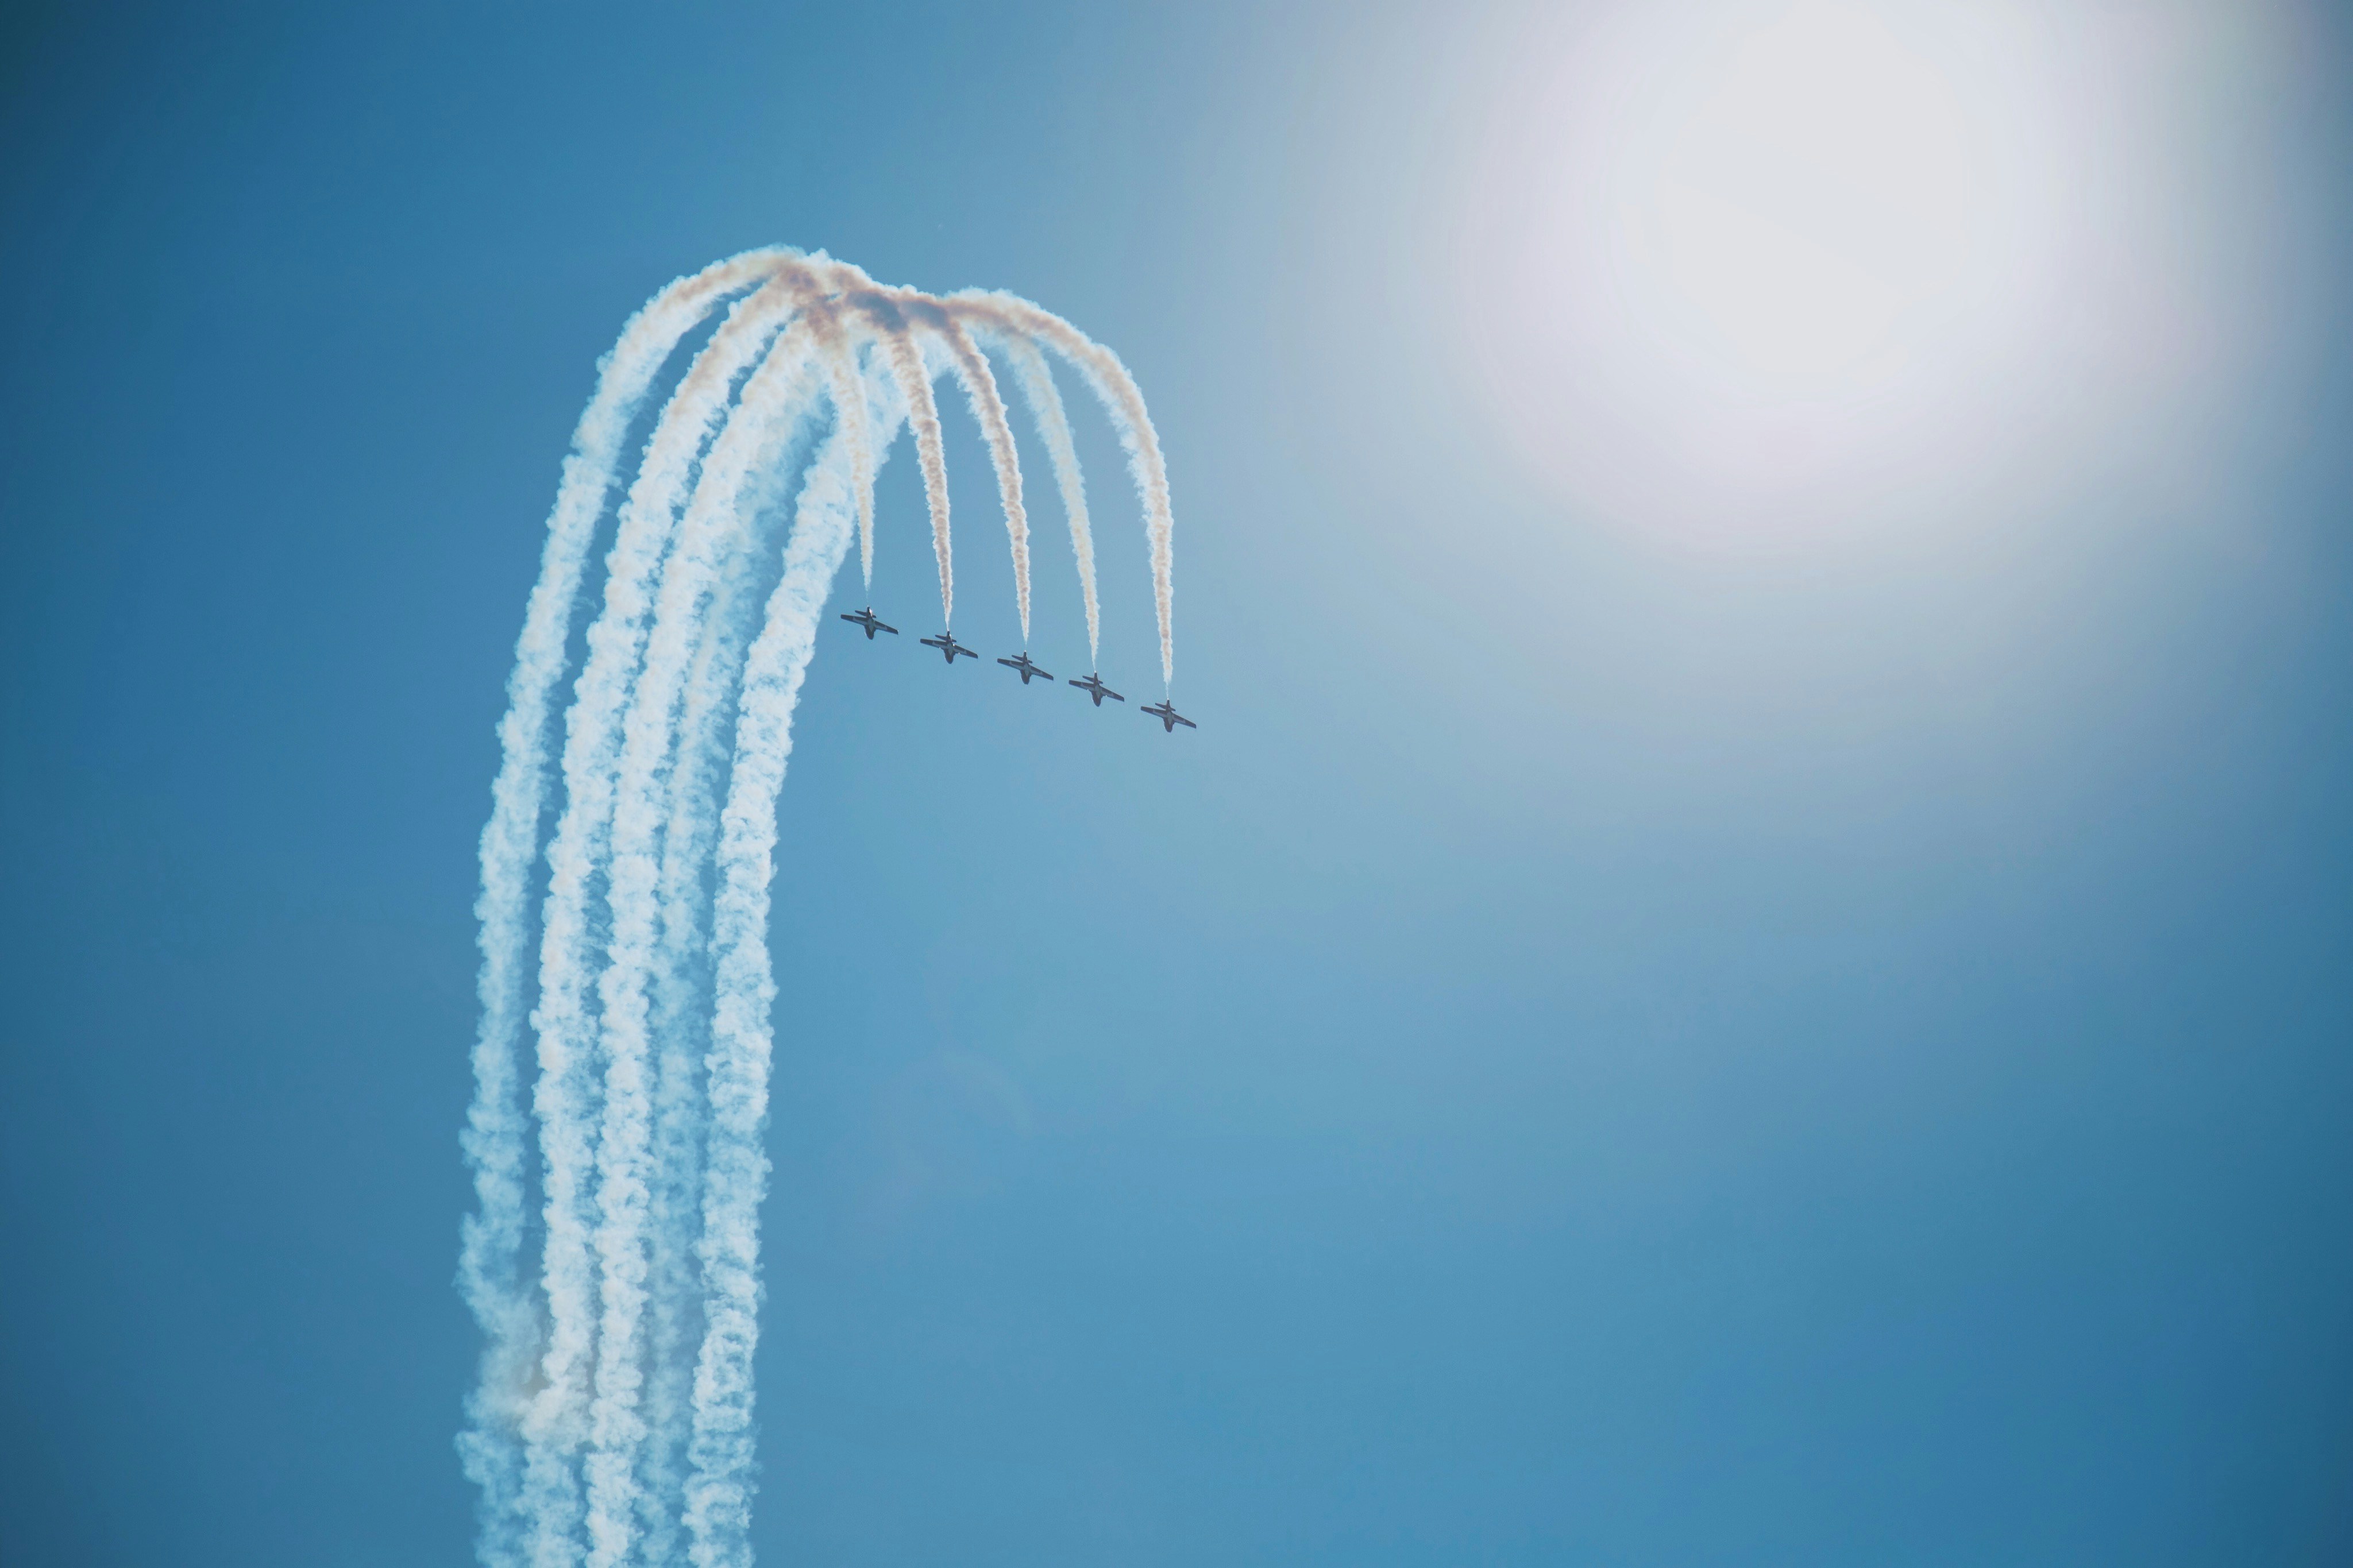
x=1816 y=198
x=1737 y=250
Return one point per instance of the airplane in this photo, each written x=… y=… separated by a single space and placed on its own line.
x=1021 y=662
x=1169 y=718
x=871 y=622
x=949 y=647
x=1094 y=687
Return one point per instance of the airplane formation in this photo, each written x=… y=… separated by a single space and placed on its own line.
x=867 y=621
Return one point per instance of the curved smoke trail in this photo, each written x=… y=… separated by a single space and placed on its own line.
x=1123 y=401
x=496 y=1129
x=1044 y=401
x=612 y=1424
x=719 y=1497
x=617 y=1431
x=682 y=1018
x=987 y=405
x=906 y=360
x=555 y=1422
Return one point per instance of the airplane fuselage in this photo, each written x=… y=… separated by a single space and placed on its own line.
x=1094 y=687
x=950 y=649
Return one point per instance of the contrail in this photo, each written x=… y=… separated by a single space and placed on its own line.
x=1123 y=401
x=1044 y=401
x=555 y=1422
x=681 y=1012
x=979 y=384
x=490 y=1258
x=564 y=1414
x=616 y=1429
x=915 y=385
x=612 y=1424
x=849 y=402
x=682 y=1018
x=719 y=1496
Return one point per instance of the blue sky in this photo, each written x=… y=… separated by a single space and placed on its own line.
x=1771 y=1016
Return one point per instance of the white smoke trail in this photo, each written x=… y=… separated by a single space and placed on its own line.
x=488 y=1269
x=555 y=1421
x=652 y=1162
x=979 y=384
x=681 y=1005
x=914 y=378
x=718 y=1509
x=632 y=871
x=1044 y=401
x=846 y=385
x=681 y=1011
x=679 y=1026
x=1123 y=401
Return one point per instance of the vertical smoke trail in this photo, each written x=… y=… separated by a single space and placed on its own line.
x=849 y=403
x=682 y=994
x=679 y=1009
x=979 y=384
x=718 y=1507
x=1044 y=401
x=915 y=386
x=639 y=806
x=554 y=1423
x=680 y=1017
x=1123 y=401
x=488 y=1269
x=649 y=1119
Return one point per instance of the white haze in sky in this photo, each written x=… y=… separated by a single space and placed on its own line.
x=1744 y=264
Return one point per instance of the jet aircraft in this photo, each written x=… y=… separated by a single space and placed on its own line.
x=1169 y=718
x=949 y=647
x=1021 y=662
x=870 y=622
x=1094 y=687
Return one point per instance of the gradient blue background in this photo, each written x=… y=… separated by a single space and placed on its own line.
x=1595 y=1053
